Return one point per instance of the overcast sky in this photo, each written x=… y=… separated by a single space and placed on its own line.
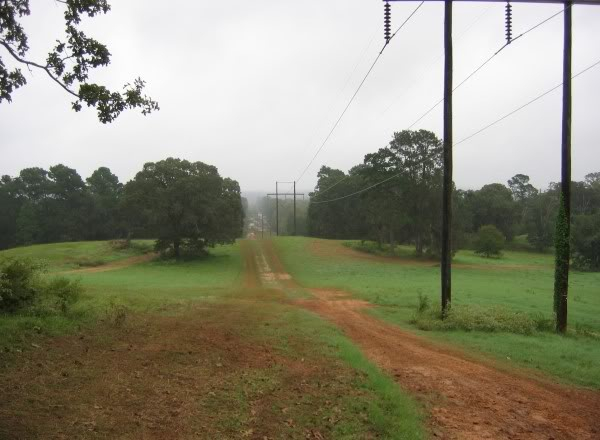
x=253 y=87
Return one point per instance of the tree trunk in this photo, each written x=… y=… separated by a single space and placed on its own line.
x=419 y=244
x=392 y=241
x=176 y=245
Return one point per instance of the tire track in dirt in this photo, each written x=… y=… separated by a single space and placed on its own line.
x=120 y=264
x=466 y=399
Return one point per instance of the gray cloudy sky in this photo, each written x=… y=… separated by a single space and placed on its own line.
x=253 y=87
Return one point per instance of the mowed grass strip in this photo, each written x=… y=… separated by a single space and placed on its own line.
x=395 y=286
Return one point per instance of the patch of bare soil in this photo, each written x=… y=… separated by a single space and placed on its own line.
x=119 y=264
x=467 y=399
x=199 y=373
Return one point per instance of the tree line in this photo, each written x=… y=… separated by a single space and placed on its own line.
x=186 y=206
x=406 y=207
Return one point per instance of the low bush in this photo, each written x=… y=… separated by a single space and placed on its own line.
x=22 y=289
x=119 y=245
x=478 y=318
x=18 y=283
x=489 y=241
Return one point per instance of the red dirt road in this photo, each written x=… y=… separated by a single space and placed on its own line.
x=466 y=399
x=119 y=264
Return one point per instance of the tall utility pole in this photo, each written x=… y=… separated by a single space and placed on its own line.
x=277 y=194
x=563 y=222
x=446 y=264
x=294 y=208
x=561 y=277
x=262 y=226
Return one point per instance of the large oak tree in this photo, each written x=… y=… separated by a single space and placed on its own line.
x=185 y=204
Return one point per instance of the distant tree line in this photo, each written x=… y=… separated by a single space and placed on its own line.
x=186 y=206
x=406 y=208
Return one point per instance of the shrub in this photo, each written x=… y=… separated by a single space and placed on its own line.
x=22 y=289
x=477 y=318
x=489 y=241
x=61 y=293
x=18 y=283
x=119 y=245
x=423 y=304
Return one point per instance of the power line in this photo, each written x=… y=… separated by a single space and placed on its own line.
x=356 y=92
x=474 y=72
x=358 y=192
x=471 y=75
x=343 y=88
x=438 y=58
x=537 y=98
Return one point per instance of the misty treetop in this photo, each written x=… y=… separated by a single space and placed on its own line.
x=175 y=201
x=406 y=207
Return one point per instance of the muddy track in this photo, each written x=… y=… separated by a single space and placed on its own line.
x=465 y=398
x=119 y=264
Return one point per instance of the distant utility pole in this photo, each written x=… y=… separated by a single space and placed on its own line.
x=277 y=194
x=561 y=270
x=262 y=225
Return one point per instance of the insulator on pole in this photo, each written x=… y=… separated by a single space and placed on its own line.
x=387 y=20
x=508 y=22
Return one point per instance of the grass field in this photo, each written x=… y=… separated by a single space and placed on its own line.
x=518 y=281
x=69 y=256
x=163 y=348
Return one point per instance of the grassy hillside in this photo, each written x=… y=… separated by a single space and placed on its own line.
x=75 y=255
x=518 y=281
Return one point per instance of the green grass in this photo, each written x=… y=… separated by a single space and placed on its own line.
x=390 y=412
x=159 y=282
x=74 y=255
x=365 y=401
x=395 y=288
x=150 y=286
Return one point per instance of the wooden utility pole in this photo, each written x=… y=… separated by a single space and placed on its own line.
x=563 y=223
x=563 y=230
x=277 y=194
x=295 y=208
x=277 y=208
x=446 y=264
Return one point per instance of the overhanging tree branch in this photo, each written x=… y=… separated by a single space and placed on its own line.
x=39 y=66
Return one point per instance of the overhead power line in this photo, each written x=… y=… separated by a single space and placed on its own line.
x=467 y=78
x=356 y=92
x=486 y=62
x=438 y=58
x=537 y=98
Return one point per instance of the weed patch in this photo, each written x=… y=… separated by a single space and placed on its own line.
x=478 y=318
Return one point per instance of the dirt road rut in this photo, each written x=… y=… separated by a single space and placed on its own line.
x=466 y=399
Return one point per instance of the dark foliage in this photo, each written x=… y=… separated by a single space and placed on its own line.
x=69 y=63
